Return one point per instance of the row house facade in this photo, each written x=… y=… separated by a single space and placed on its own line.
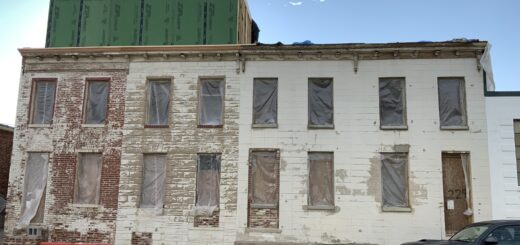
x=250 y=144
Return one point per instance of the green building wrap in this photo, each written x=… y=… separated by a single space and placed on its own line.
x=81 y=23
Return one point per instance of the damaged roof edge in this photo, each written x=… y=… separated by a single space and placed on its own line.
x=451 y=45
x=6 y=128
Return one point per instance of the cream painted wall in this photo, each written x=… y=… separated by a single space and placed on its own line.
x=357 y=141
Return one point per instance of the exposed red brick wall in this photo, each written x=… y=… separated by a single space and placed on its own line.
x=211 y=221
x=6 y=146
x=69 y=138
x=141 y=238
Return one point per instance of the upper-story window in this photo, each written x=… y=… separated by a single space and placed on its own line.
x=158 y=103
x=321 y=106
x=452 y=103
x=96 y=102
x=392 y=103
x=42 y=108
x=265 y=102
x=211 y=102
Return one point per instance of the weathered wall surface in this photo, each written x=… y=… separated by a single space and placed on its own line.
x=181 y=141
x=501 y=111
x=357 y=142
x=6 y=146
x=64 y=139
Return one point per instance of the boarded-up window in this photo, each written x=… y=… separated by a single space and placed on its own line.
x=43 y=102
x=208 y=184
x=321 y=179
x=88 y=178
x=96 y=102
x=321 y=108
x=36 y=171
x=152 y=191
x=265 y=101
x=264 y=179
x=452 y=102
x=211 y=102
x=394 y=180
x=158 y=102
x=517 y=147
x=392 y=102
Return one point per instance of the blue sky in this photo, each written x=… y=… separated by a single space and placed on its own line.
x=24 y=24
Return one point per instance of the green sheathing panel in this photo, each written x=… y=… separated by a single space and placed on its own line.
x=221 y=22
x=158 y=22
x=189 y=22
x=63 y=24
x=95 y=23
x=125 y=22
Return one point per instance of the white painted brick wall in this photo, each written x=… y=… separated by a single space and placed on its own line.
x=356 y=141
x=501 y=111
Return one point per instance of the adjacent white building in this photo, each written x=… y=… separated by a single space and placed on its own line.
x=503 y=115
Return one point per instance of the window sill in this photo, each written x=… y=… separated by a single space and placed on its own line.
x=79 y=205
x=275 y=125
x=210 y=126
x=150 y=211
x=397 y=209
x=320 y=126
x=156 y=126
x=93 y=125
x=454 y=128
x=318 y=208
x=266 y=206
x=403 y=127
x=207 y=229
x=40 y=125
x=263 y=230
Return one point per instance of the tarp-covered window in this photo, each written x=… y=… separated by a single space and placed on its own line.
x=452 y=102
x=394 y=180
x=43 y=102
x=264 y=178
x=152 y=192
x=208 y=184
x=321 y=179
x=36 y=171
x=88 y=178
x=211 y=102
x=392 y=103
x=516 y=124
x=96 y=102
x=265 y=101
x=158 y=102
x=321 y=108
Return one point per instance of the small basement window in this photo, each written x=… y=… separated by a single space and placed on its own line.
x=265 y=102
x=392 y=103
x=96 y=102
x=321 y=105
x=158 y=103
x=452 y=103
x=321 y=179
x=211 y=102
